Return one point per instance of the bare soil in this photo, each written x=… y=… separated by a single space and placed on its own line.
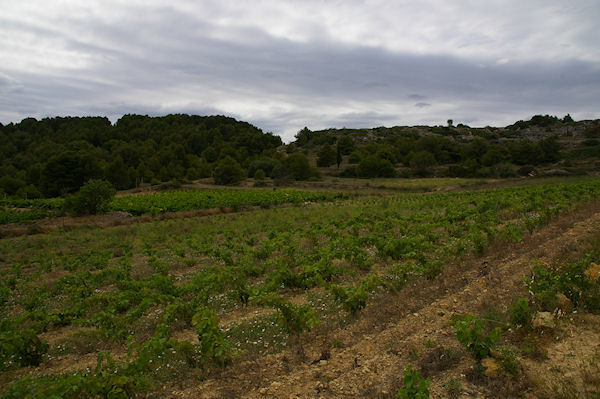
x=366 y=357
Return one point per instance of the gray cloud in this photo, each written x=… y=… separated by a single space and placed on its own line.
x=159 y=59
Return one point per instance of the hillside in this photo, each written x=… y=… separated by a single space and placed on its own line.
x=55 y=156
x=544 y=144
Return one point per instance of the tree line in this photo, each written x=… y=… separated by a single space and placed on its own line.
x=56 y=156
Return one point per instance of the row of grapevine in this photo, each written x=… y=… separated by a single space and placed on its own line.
x=138 y=285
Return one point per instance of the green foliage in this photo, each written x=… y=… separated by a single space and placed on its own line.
x=421 y=162
x=353 y=299
x=415 y=386
x=294 y=319
x=372 y=166
x=21 y=348
x=157 y=203
x=326 y=156
x=346 y=145
x=509 y=361
x=228 y=172
x=299 y=168
x=92 y=198
x=520 y=313
x=570 y=280
x=470 y=334
x=259 y=174
x=213 y=343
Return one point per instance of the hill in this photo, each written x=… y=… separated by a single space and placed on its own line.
x=55 y=156
x=543 y=144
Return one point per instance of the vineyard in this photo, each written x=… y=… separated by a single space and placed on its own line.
x=20 y=211
x=126 y=310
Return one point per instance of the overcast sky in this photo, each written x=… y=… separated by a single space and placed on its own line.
x=283 y=65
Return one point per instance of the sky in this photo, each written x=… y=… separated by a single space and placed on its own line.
x=284 y=65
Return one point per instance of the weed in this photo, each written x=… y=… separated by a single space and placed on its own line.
x=470 y=334
x=415 y=386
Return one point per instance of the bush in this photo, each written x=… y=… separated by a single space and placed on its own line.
x=470 y=334
x=259 y=174
x=373 y=166
x=92 y=198
x=298 y=166
x=213 y=343
x=22 y=348
x=228 y=172
x=415 y=386
x=326 y=156
x=520 y=313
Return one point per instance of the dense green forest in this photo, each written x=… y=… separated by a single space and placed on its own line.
x=55 y=156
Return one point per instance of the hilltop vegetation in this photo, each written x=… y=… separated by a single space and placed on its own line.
x=56 y=156
x=544 y=143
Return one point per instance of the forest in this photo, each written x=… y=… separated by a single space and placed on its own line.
x=54 y=157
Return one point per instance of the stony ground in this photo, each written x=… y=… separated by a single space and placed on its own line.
x=366 y=357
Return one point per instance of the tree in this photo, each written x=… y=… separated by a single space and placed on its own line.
x=421 y=162
x=372 y=166
x=93 y=197
x=228 y=172
x=346 y=145
x=326 y=156
x=298 y=166
x=66 y=172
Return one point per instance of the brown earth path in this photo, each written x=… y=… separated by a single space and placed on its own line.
x=367 y=357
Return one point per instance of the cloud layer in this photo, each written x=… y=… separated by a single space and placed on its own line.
x=317 y=63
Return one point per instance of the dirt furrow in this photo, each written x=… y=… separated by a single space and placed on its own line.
x=366 y=359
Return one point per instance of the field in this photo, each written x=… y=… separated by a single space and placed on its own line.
x=327 y=290
x=19 y=211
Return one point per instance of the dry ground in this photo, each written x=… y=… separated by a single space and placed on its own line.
x=366 y=357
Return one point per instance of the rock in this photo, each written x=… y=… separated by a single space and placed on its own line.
x=564 y=303
x=262 y=391
x=593 y=272
x=543 y=320
x=275 y=384
x=492 y=368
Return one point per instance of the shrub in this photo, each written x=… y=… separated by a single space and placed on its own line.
x=259 y=174
x=520 y=313
x=228 y=172
x=326 y=156
x=470 y=334
x=213 y=343
x=415 y=386
x=92 y=198
x=352 y=299
x=373 y=166
x=22 y=348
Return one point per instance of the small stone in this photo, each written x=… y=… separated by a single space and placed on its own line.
x=262 y=391
x=492 y=368
x=275 y=384
x=564 y=303
x=323 y=362
x=543 y=320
